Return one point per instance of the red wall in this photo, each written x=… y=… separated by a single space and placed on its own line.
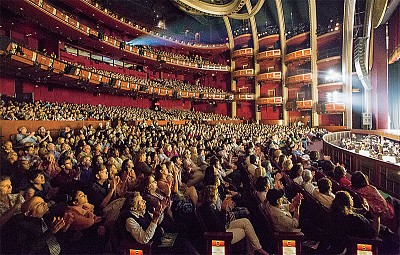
x=245 y=110
x=331 y=120
x=268 y=113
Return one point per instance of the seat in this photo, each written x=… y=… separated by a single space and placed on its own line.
x=282 y=240
x=213 y=239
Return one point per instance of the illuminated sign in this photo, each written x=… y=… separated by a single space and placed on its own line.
x=288 y=247
x=364 y=249
x=135 y=252
x=217 y=247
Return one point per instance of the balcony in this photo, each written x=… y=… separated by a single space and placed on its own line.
x=270 y=54
x=300 y=80
x=270 y=101
x=243 y=53
x=243 y=73
x=244 y=97
x=331 y=107
x=304 y=104
x=297 y=55
x=272 y=76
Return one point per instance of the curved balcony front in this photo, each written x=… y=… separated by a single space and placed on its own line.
x=269 y=54
x=244 y=97
x=330 y=86
x=270 y=101
x=243 y=73
x=243 y=53
x=298 y=80
x=271 y=77
x=298 y=55
x=330 y=108
x=71 y=27
x=304 y=104
x=38 y=65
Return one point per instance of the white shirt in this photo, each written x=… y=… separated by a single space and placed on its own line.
x=141 y=235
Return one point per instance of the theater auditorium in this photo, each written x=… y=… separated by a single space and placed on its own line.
x=214 y=127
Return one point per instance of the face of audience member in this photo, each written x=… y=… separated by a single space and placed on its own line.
x=80 y=198
x=8 y=146
x=37 y=207
x=39 y=179
x=87 y=161
x=5 y=187
x=102 y=175
x=25 y=165
x=139 y=204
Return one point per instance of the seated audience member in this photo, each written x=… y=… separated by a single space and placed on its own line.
x=280 y=213
x=43 y=135
x=287 y=166
x=216 y=220
x=296 y=173
x=86 y=176
x=152 y=194
x=141 y=167
x=128 y=178
x=340 y=176
x=19 y=178
x=139 y=223
x=32 y=234
x=24 y=137
x=7 y=148
x=51 y=148
x=103 y=191
x=50 y=166
x=262 y=186
x=314 y=159
x=377 y=204
x=10 y=166
x=324 y=192
x=38 y=186
x=327 y=166
x=194 y=173
x=10 y=204
x=347 y=222
x=251 y=168
x=67 y=179
x=307 y=181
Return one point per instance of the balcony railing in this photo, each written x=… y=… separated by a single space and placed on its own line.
x=304 y=104
x=331 y=107
x=270 y=54
x=270 y=101
x=246 y=52
x=272 y=76
x=300 y=79
x=244 y=97
x=243 y=73
x=300 y=54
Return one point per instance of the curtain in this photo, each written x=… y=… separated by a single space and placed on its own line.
x=394 y=95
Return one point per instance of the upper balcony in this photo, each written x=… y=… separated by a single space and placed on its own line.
x=59 y=21
x=330 y=108
x=300 y=105
x=244 y=97
x=243 y=53
x=94 y=10
x=270 y=101
x=269 y=54
x=270 y=77
x=243 y=73
x=41 y=67
x=298 y=80
x=304 y=54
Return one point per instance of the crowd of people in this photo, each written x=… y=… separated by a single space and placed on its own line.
x=173 y=84
x=38 y=110
x=376 y=146
x=87 y=179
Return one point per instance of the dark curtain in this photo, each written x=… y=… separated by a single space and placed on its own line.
x=394 y=95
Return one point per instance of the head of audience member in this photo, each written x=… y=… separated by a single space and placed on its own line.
x=359 y=180
x=274 y=197
x=137 y=203
x=262 y=184
x=5 y=186
x=324 y=186
x=339 y=172
x=101 y=173
x=307 y=176
x=287 y=165
x=296 y=171
x=77 y=198
x=314 y=156
x=35 y=207
x=7 y=146
x=342 y=204
x=210 y=195
x=24 y=164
